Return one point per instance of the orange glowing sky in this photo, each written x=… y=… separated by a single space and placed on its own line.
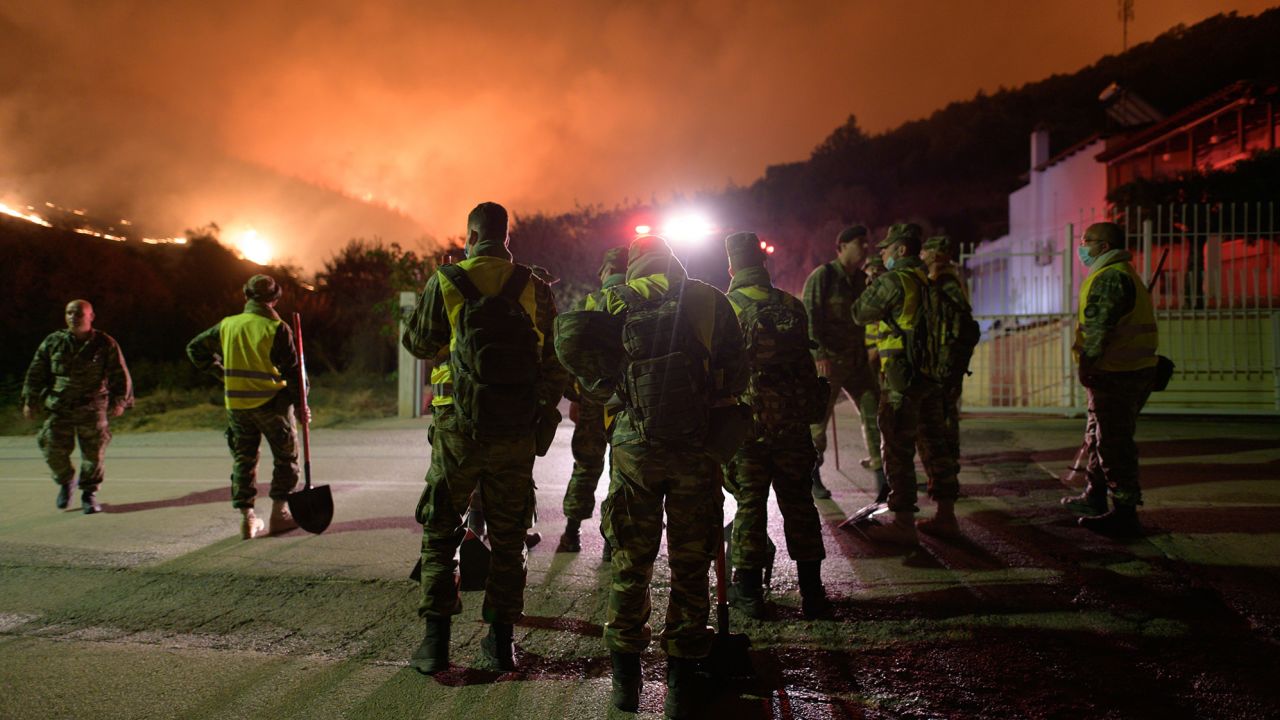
x=430 y=107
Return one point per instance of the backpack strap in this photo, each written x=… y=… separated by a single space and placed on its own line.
x=629 y=296
x=458 y=277
x=514 y=285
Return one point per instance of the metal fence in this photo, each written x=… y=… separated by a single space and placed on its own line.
x=1217 y=300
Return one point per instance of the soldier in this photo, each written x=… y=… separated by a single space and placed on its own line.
x=684 y=355
x=782 y=392
x=1115 y=346
x=501 y=379
x=255 y=357
x=79 y=376
x=910 y=404
x=590 y=440
x=829 y=293
x=937 y=254
x=874 y=268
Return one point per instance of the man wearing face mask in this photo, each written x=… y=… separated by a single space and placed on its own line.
x=897 y=300
x=1115 y=346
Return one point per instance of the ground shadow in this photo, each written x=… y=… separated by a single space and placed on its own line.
x=220 y=494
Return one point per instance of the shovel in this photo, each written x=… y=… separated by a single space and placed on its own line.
x=730 y=657
x=311 y=507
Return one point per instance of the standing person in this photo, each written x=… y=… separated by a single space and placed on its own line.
x=910 y=402
x=829 y=294
x=255 y=357
x=590 y=441
x=874 y=268
x=1115 y=347
x=937 y=254
x=784 y=394
x=684 y=355
x=78 y=376
x=502 y=377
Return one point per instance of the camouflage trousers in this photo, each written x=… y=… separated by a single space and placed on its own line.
x=860 y=383
x=642 y=480
x=950 y=419
x=913 y=418
x=500 y=471
x=245 y=431
x=1115 y=399
x=589 y=446
x=58 y=436
x=784 y=461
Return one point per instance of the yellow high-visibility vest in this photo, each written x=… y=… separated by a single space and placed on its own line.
x=249 y=377
x=891 y=343
x=1131 y=344
x=488 y=274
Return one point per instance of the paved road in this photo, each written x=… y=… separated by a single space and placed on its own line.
x=155 y=608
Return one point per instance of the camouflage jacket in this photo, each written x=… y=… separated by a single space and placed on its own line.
x=829 y=294
x=67 y=374
x=952 y=285
x=885 y=296
x=1111 y=297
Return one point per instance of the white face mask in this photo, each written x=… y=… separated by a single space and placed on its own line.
x=1082 y=251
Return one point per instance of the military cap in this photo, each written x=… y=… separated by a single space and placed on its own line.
x=262 y=288
x=853 y=232
x=744 y=250
x=543 y=274
x=938 y=242
x=647 y=245
x=615 y=261
x=901 y=232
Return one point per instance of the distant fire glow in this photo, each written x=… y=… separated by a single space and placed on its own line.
x=254 y=247
x=688 y=228
x=29 y=217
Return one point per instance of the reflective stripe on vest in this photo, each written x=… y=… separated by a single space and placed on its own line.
x=488 y=274
x=1131 y=344
x=248 y=375
x=891 y=343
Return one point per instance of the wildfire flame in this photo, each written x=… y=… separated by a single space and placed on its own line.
x=253 y=247
x=29 y=217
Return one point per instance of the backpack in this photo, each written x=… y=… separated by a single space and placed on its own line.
x=941 y=344
x=665 y=383
x=495 y=359
x=784 y=387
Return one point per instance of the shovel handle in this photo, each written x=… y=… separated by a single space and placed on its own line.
x=302 y=398
x=722 y=593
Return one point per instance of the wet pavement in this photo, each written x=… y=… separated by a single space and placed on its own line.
x=155 y=608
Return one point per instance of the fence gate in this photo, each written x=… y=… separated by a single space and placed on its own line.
x=1217 y=302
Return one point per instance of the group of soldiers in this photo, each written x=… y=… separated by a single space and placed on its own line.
x=689 y=390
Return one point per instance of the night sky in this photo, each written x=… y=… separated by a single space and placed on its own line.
x=172 y=111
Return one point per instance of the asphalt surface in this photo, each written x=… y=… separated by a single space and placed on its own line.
x=156 y=608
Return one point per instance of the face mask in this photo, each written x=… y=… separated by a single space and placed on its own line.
x=888 y=264
x=1085 y=258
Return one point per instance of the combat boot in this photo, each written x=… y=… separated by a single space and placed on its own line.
x=745 y=594
x=943 y=524
x=900 y=531
x=432 y=655
x=497 y=647
x=89 y=503
x=250 y=525
x=281 y=520
x=882 y=486
x=820 y=491
x=813 y=596
x=626 y=681
x=1122 y=521
x=682 y=693
x=571 y=540
x=64 y=493
x=1087 y=503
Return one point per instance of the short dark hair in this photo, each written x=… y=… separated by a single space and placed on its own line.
x=853 y=232
x=489 y=220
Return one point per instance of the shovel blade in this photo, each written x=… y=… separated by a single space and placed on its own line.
x=730 y=657
x=312 y=509
x=866 y=517
x=473 y=562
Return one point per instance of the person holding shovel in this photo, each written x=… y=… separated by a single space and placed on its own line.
x=253 y=353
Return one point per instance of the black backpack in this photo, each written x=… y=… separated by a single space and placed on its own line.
x=784 y=387
x=495 y=360
x=953 y=335
x=665 y=383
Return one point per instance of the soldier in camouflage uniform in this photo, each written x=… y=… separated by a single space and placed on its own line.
x=910 y=406
x=937 y=254
x=590 y=441
x=501 y=467
x=647 y=476
x=254 y=355
x=78 y=376
x=874 y=268
x=829 y=293
x=781 y=457
x=1115 y=346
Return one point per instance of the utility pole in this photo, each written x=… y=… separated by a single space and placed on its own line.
x=1124 y=10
